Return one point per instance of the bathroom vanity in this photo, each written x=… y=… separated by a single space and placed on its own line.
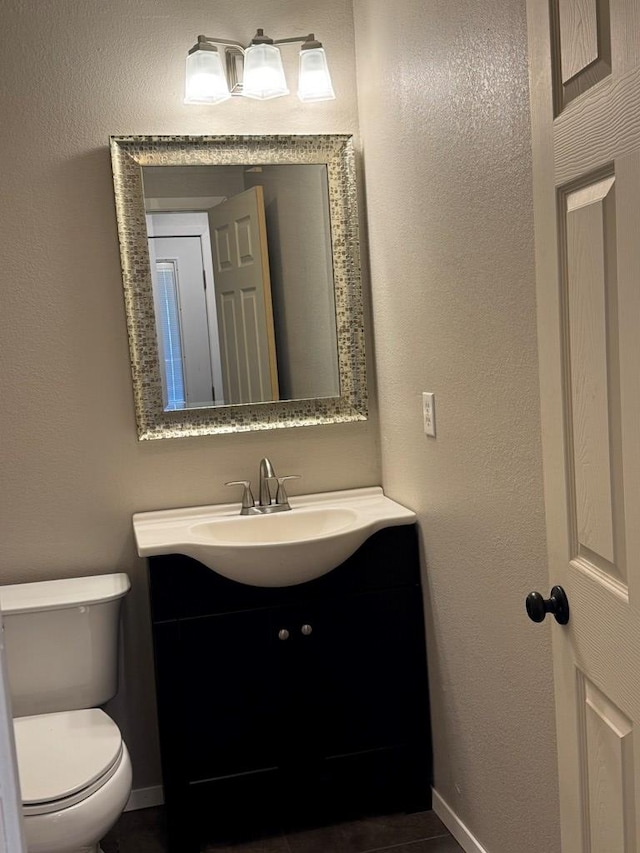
x=291 y=705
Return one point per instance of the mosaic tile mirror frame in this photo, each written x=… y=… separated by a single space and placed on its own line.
x=130 y=154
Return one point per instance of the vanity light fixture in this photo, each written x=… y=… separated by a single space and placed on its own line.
x=255 y=71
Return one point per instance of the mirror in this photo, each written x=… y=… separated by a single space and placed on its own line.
x=242 y=280
x=241 y=273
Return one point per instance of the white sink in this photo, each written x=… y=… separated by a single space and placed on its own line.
x=281 y=549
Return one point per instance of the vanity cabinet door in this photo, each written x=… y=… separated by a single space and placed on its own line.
x=355 y=676
x=373 y=672
x=231 y=695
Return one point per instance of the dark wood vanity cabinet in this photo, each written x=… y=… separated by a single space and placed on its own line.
x=291 y=705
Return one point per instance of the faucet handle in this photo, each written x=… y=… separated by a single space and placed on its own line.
x=247 y=495
x=281 y=494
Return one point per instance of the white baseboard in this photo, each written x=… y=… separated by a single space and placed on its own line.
x=456 y=827
x=144 y=798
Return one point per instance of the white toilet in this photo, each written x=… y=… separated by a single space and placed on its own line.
x=61 y=641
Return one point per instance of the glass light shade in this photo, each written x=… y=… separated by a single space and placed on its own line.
x=263 y=73
x=205 y=79
x=314 y=80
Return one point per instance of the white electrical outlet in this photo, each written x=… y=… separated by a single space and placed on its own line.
x=429 y=413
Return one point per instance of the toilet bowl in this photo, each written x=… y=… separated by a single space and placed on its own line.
x=75 y=776
x=61 y=644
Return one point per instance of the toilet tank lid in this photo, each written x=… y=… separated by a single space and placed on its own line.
x=67 y=592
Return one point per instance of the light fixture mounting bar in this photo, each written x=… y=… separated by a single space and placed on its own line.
x=215 y=40
x=294 y=39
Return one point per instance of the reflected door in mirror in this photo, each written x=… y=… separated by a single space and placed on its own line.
x=212 y=303
x=242 y=287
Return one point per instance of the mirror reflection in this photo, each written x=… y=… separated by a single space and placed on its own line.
x=243 y=283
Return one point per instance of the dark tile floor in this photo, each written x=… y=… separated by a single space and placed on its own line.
x=143 y=832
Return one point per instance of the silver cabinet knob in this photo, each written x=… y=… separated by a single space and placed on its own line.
x=306 y=630
x=283 y=634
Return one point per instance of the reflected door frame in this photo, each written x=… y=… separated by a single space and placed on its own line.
x=187 y=222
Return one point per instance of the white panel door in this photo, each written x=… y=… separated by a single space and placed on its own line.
x=243 y=298
x=585 y=94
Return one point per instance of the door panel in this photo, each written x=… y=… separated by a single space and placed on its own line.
x=585 y=94
x=578 y=36
x=583 y=35
x=607 y=738
x=246 y=254
x=223 y=248
x=594 y=376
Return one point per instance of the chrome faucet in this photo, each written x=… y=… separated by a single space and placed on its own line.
x=266 y=473
x=266 y=502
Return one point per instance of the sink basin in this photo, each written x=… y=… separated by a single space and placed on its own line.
x=281 y=549
x=305 y=524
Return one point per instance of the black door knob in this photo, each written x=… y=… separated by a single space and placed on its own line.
x=557 y=603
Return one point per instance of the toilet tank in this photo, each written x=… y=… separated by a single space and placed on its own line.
x=61 y=642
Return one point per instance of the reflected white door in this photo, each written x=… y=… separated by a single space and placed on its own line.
x=243 y=298
x=180 y=259
x=180 y=253
x=585 y=87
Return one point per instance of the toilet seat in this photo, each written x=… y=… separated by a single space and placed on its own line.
x=65 y=757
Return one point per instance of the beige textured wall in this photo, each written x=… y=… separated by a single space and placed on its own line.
x=73 y=471
x=298 y=221
x=444 y=121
